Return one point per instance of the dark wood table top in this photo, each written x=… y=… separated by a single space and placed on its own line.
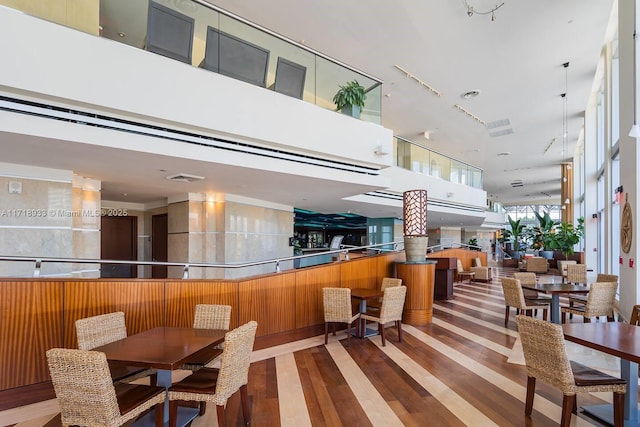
x=615 y=338
x=366 y=293
x=163 y=347
x=558 y=288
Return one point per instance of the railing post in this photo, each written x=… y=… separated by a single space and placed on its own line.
x=185 y=271
x=277 y=266
x=346 y=255
x=36 y=272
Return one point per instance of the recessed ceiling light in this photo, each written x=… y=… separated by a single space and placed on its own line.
x=504 y=153
x=470 y=94
x=121 y=34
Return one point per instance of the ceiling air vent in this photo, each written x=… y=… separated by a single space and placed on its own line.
x=185 y=177
x=517 y=183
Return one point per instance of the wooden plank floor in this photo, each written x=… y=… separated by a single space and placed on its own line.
x=453 y=372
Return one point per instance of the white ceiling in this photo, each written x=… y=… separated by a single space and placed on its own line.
x=514 y=61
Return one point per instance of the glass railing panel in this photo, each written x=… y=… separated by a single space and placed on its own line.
x=419 y=159
x=440 y=166
x=126 y=21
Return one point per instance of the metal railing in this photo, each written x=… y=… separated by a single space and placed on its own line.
x=343 y=252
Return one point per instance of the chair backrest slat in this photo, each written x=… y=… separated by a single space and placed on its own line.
x=390 y=282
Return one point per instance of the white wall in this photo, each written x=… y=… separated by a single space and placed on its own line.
x=61 y=63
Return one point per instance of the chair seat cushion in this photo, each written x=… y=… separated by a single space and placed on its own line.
x=130 y=396
x=202 y=381
x=585 y=376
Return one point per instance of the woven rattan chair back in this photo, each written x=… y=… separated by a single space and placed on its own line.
x=393 y=304
x=577 y=273
x=337 y=305
x=527 y=279
x=86 y=394
x=235 y=361
x=545 y=354
x=546 y=358
x=390 y=282
x=96 y=331
x=212 y=316
x=513 y=295
x=601 y=299
x=606 y=278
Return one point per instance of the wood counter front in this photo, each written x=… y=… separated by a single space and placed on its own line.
x=419 y=279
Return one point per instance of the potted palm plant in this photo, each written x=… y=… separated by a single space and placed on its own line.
x=567 y=236
x=350 y=98
x=545 y=235
x=516 y=231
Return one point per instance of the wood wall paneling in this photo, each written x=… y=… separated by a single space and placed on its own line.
x=269 y=300
x=309 y=284
x=31 y=319
x=359 y=273
x=142 y=301
x=182 y=297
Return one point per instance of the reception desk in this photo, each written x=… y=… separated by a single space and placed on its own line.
x=419 y=279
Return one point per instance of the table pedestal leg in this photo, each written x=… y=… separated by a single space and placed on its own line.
x=555 y=308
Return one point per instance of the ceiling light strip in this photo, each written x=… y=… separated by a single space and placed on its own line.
x=470 y=114
x=420 y=82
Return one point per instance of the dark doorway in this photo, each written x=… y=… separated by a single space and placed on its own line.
x=118 y=240
x=159 y=234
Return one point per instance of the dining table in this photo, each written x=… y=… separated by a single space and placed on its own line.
x=165 y=349
x=617 y=339
x=556 y=289
x=362 y=295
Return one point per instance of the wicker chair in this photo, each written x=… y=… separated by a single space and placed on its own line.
x=537 y=265
x=386 y=283
x=546 y=359
x=391 y=310
x=580 y=300
x=635 y=315
x=337 y=309
x=562 y=267
x=209 y=316
x=514 y=297
x=99 y=330
x=218 y=385
x=462 y=274
x=600 y=301
x=88 y=397
x=481 y=273
x=530 y=295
